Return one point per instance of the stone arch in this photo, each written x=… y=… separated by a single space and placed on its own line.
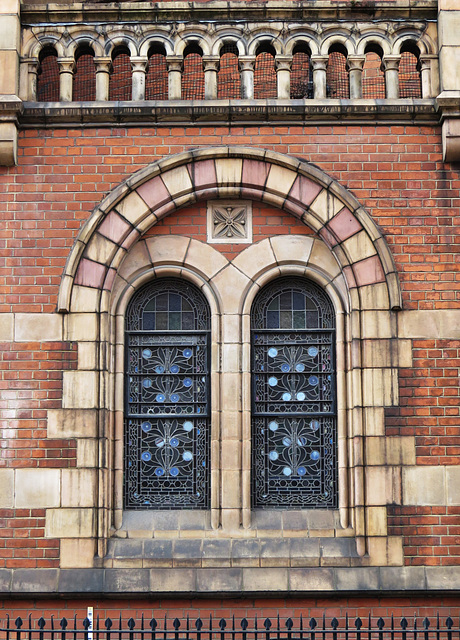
x=299 y=188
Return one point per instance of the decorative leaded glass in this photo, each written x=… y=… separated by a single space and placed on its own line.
x=167 y=397
x=294 y=437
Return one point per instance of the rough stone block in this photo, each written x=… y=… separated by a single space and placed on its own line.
x=6 y=488
x=6 y=327
x=70 y=523
x=79 y=487
x=265 y=579
x=77 y=553
x=424 y=485
x=80 y=389
x=37 y=488
x=71 y=423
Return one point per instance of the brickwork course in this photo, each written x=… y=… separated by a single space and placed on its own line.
x=336 y=129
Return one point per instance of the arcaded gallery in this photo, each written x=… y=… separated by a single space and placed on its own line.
x=230 y=320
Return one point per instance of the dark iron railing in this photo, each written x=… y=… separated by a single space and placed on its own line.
x=222 y=629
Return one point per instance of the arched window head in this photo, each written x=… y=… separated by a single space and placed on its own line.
x=48 y=76
x=84 y=79
x=167 y=404
x=294 y=441
x=337 y=84
x=301 y=72
x=120 y=85
x=265 y=86
x=156 y=81
x=410 y=82
x=193 y=73
x=228 y=77
x=373 y=74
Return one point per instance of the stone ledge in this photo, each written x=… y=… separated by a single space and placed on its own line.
x=33 y=11
x=237 y=552
x=305 y=581
x=175 y=112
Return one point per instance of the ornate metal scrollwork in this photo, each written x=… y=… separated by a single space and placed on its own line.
x=293 y=397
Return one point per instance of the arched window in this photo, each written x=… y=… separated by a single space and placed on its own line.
x=294 y=441
x=193 y=73
x=373 y=75
x=301 y=73
x=120 y=85
x=337 y=84
x=156 y=81
x=84 y=78
x=228 y=77
x=167 y=408
x=264 y=73
x=410 y=82
x=48 y=76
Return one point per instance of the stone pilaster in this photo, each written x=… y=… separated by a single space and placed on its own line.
x=10 y=103
x=449 y=75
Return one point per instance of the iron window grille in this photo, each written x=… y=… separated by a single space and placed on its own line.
x=167 y=408
x=294 y=441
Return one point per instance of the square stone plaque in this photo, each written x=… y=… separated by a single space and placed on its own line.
x=229 y=221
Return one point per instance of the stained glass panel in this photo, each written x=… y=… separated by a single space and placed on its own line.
x=167 y=398
x=293 y=397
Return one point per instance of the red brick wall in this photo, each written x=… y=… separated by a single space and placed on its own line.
x=395 y=171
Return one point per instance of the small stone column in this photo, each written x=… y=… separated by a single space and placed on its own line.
x=28 y=83
x=175 y=66
x=211 y=67
x=139 y=69
x=283 y=76
x=391 y=66
x=246 y=65
x=319 y=65
x=66 y=71
x=355 y=66
x=426 y=73
x=103 y=66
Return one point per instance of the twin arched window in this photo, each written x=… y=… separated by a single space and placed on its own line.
x=167 y=399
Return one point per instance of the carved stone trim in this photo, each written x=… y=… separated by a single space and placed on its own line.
x=229 y=221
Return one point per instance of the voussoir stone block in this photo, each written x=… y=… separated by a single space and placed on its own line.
x=133 y=208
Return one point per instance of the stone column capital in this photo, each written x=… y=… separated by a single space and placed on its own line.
x=246 y=63
x=356 y=63
x=391 y=63
x=66 y=65
x=175 y=63
x=319 y=63
x=283 y=63
x=211 y=63
x=139 y=63
x=103 y=64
